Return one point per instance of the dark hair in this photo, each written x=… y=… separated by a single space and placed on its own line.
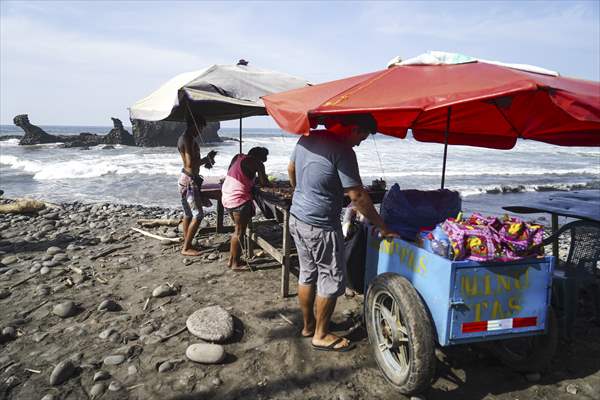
x=200 y=120
x=260 y=153
x=365 y=121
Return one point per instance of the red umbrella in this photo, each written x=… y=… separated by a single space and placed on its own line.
x=476 y=104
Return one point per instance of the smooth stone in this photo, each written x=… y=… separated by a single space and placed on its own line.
x=572 y=389
x=60 y=257
x=171 y=235
x=123 y=260
x=147 y=329
x=35 y=268
x=77 y=279
x=132 y=370
x=105 y=334
x=44 y=270
x=114 y=360
x=10 y=332
x=50 y=264
x=98 y=390
x=42 y=290
x=4 y=293
x=49 y=396
x=38 y=337
x=212 y=256
x=109 y=305
x=9 y=260
x=46 y=257
x=212 y=323
x=216 y=382
x=11 y=271
x=65 y=309
x=162 y=291
x=205 y=353
x=101 y=375
x=165 y=366
x=63 y=371
x=53 y=250
x=115 y=386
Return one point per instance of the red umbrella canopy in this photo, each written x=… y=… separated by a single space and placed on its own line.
x=491 y=105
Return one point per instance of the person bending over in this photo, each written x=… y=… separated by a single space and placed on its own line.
x=190 y=181
x=236 y=195
x=322 y=167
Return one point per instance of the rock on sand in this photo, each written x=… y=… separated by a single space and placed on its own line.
x=205 y=353
x=213 y=323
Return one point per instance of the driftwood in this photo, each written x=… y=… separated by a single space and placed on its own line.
x=151 y=223
x=22 y=281
x=22 y=206
x=152 y=235
x=108 y=251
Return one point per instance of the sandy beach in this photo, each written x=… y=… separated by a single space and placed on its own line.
x=87 y=254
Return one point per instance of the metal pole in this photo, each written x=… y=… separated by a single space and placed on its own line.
x=446 y=144
x=240 y=133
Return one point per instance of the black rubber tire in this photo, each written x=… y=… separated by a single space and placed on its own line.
x=421 y=343
x=540 y=353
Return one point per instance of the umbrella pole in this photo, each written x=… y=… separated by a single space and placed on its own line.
x=240 y=134
x=446 y=144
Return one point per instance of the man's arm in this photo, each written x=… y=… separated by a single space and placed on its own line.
x=262 y=175
x=362 y=202
x=292 y=173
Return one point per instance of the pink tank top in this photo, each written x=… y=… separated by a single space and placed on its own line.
x=237 y=186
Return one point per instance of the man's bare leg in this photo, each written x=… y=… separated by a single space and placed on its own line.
x=189 y=234
x=306 y=297
x=322 y=337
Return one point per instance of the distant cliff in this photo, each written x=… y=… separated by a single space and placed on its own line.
x=36 y=135
x=166 y=133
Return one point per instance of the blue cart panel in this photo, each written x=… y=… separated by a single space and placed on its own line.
x=469 y=301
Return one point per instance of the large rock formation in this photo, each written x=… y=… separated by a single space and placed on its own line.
x=33 y=134
x=36 y=135
x=118 y=134
x=166 y=133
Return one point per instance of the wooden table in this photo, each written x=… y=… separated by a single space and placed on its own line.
x=283 y=255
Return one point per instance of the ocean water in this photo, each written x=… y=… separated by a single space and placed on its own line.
x=149 y=175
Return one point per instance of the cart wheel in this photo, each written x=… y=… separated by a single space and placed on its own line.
x=531 y=353
x=400 y=333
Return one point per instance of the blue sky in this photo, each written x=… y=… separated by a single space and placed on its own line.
x=80 y=63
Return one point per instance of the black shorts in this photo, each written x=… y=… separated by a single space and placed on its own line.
x=245 y=209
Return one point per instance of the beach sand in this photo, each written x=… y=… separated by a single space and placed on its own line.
x=265 y=359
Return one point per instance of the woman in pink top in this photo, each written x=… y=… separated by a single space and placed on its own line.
x=236 y=195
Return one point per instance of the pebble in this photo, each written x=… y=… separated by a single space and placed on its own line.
x=187 y=261
x=147 y=329
x=123 y=260
x=46 y=257
x=10 y=332
x=212 y=256
x=49 y=396
x=63 y=371
x=114 y=360
x=212 y=323
x=216 y=382
x=4 y=293
x=60 y=257
x=109 y=305
x=572 y=389
x=42 y=290
x=50 y=264
x=44 y=270
x=115 y=386
x=101 y=375
x=205 y=353
x=9 y=260
x=35 y=268
x=53 y=250
x=132 y=370
x=98 y=390
x=105 y=334
x=65 y=309
x=38 y=337
x=165 y=366
x=162 y=291
x=11 y=271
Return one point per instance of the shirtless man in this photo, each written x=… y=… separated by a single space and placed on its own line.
x=190 y=182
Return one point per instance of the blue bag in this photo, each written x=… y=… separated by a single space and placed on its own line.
x=406 y=211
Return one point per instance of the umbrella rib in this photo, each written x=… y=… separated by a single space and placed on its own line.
x=507 y=120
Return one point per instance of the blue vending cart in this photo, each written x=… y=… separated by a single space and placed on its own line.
x=415 y=298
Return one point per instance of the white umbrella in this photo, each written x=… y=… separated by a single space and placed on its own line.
x=218 y=93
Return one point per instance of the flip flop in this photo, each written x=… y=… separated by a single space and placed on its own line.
x=331 y=346
x=239 y=269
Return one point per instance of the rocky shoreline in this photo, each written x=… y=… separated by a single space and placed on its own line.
x=91 y=309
